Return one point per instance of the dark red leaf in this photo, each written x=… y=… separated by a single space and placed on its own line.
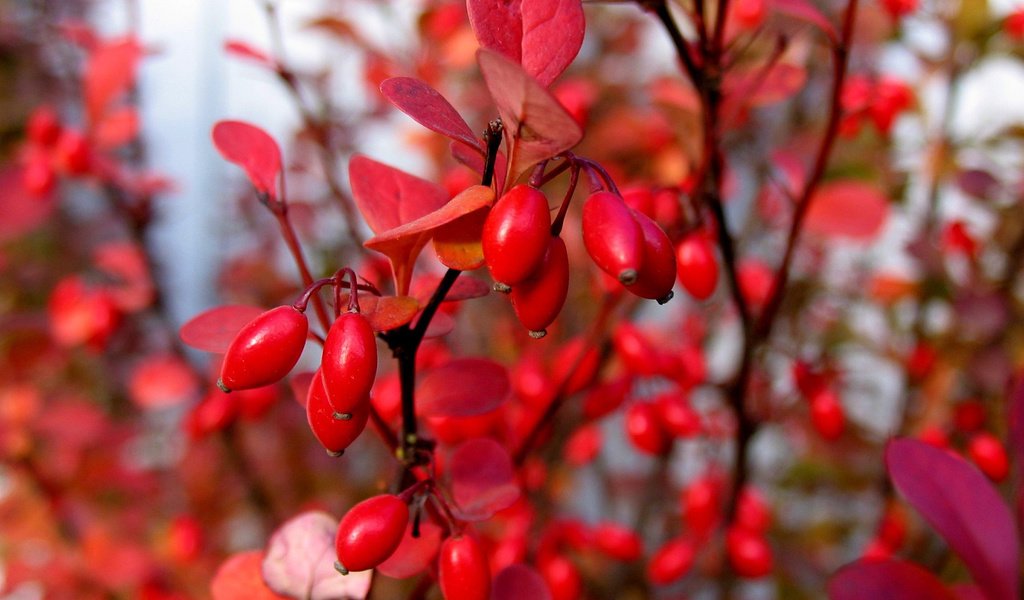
x=22 y=212
x=552 y=36
x=109 y=72
x=414 y=554
x=960 y=503
x=462 y=388
x=299 y=561
x=252 y=149
x=465 y=288
x=805 y=11
x=213 y=330
x=536 y=125
x=847 y=209
x=483 y=480
x=886 y=580
x=388 y=197
x=516 y=582
x=429 y=108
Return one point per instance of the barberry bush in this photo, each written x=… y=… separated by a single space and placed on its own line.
x=710 y=299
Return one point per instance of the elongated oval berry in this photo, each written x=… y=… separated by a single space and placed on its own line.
x=538 y=300
x=617 y=541
x=349 y=363
x=463 y=572
x=671 y=561
x=334 y=430
x=644 y=429
x=264 y=350
x=988 y=453
x=562 y=577
x=827 y=414
x=515 y=234
x=749 y=553
x=697 y=266
x=657 y=272
x=370 y=532
x=612 y=236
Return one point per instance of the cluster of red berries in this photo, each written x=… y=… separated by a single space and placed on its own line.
x=338 y=401
x=879 y=100
x=827 y=415
x=52 y=149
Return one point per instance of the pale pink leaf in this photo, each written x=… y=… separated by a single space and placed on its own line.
x=483 y=479
x=213 y=330
x=463 y=387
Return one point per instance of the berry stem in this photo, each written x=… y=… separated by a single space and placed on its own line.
x=574 y=177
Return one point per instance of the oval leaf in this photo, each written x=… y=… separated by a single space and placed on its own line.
x=252 y=149
x=465 y=288
x=414 y=554
x=463 y=387
x=483 y=481
x=886 y=580
x=960 y=503
x=239 y=578
x=516 y=582
x=429 y=108
x=552 y=36
x=847 y=209
x=536 y=125
x=109 y=72
x=299 y=561
x=498 y=25
x=458 y=244
x=213 y=330
x=388 y=197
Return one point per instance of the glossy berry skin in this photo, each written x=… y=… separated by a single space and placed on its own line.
x=657 y=272
x=265 y=350
x=697 y=266
x=349 y=363
x=671 y=561
x=988 y=453
x=749 y=553
x=333 y=432
x=612 y=236
x=700 y=505
x=677 y=416
x=515 y=235
x=827 y=414
x=43 y=127
x=562 y=577
x=538 y=300
x=644 y=429
x=370 y=532
x=617 y=541
x=463 y=572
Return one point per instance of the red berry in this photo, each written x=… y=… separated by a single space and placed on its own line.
x=349 y=363
x=613 y=238
x=583 y=445
x=634 y=349
x=677 y=416
x=184 y=539
x=265 y=350
x=604 y=398
x=989 y=454
x=617 y=541
x=81 y=314
x=899 y=8
x=700 y=505
x=1013 y=26
x=644 y=429
x=747 y=14
x=827 y=414
x=370 y=532
x=752 y=511
x=538 y=300
x=463 y=572
x=562 y=577
x=38 y=178
x=756 y=282
x=516 y=234
x=334 y=432
x=43 y=126
x=72 y=153
x=671 y=561
x=749 y=553
x=584 y=372
x=213 y=413
x=657 y=273
x=969 y=416
x=697 y=266
x=254 y=403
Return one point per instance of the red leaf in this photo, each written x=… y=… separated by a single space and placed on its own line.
x=536 y=125
x=22 y=212
x=402 y=244
x=961 y=504
x=465 y=288
x=161 y=381
x=805 y=11
x=213 y=330
x=458 y=244
x=386 y=312
x=463 y=387
x=243 y=50
x=388 y=197
x=515 y=582
x=886 y=580
x=300 y=557
x=252 y=149
x=429 y=108
x=467 y=156
x=414 y=554
x=542 y=35
x=552 y=36
x=440 y=326
x=116 y=128
x=239 y=578
x=109 y=72
x=483 y=481
x=849 y=209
